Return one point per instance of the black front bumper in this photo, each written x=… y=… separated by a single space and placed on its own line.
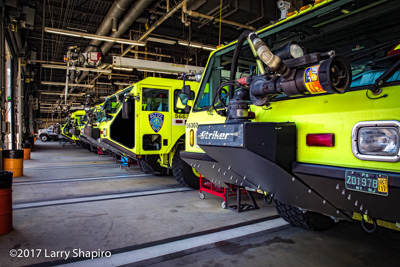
x=311 y=187
x=262 y=156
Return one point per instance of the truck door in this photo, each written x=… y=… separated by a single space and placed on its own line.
x=155 y=119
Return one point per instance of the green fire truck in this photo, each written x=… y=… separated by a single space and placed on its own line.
x=150 y=128
x=306 y=112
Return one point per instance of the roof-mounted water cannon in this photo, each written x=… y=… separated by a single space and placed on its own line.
x=284 y=7
x=289 y=71
x=297 y=74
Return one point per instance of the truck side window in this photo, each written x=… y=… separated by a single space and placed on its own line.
x=176 y=95
x=155 y=100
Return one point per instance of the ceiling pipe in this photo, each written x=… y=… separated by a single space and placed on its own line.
x=123 y=26
x=199 y=15
x=117 y=9
x=147 y=33
x=132 y=15
x=154 y=26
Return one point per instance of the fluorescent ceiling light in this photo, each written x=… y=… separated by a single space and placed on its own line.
x=93 y=36
x=197 y=45
x=122 y=68
x=209 y=48
x=183 y=43
x=71 y=84
x=158 y=71
x=59 y=93
x=121 y=83
x=55 y=66
x=159 y=40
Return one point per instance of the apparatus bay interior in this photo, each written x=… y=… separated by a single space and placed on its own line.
x=95 y=212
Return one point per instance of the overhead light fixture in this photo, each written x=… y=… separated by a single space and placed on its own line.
x=122 y=68
x=55 y=66
x=124 y=84
x=209 y=48
x=162 y=41
x=197 y=45
x=70 y=84
x=58 y=93
x=158 y=71
x=93 y=36
x=183 y=43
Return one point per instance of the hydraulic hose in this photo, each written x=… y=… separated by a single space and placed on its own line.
x=235 y=58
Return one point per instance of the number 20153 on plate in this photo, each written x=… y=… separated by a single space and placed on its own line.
x=367 y=182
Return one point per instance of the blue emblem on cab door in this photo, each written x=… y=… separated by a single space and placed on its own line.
x=156 y=121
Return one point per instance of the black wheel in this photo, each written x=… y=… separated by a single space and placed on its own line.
x=152 y=162
x=307 y=220
x=144 y=167
x=183 y=173
x=92 y=148
x=44 y=138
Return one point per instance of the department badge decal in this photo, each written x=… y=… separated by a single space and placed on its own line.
x=156 y=121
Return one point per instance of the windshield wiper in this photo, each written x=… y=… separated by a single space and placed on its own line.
x=376 y=87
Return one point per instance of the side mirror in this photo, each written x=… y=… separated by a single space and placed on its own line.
x=182 y=100
x=186 y=89
x=126 y=109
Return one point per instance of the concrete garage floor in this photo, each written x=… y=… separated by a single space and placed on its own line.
x=73 y=201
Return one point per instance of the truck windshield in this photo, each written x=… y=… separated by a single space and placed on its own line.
x=362 y=31
x=112 y=104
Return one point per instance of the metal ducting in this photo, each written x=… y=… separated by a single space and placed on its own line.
x=116 y=11
x=123 y=26
x=132 y=15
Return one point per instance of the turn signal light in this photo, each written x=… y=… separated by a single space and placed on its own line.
x=324 y=140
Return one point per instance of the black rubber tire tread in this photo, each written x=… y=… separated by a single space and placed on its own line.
x=144 y=167
x=307 y=220
x=183 y=173
x=152 y=161
x=42 y=135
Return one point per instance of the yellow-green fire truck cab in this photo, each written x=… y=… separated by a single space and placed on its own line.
x=69 y=127
x=151 y=128
x=321 y=136
x=102 y=115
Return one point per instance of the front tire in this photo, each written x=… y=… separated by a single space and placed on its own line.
x=183 y=173
x=307 y=220
x=44 y=138
x=152 y=161
x=144 y=167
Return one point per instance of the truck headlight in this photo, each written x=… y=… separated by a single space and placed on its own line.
x=376 y=140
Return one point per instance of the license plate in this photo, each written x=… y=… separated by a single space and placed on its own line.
x=367 y=182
